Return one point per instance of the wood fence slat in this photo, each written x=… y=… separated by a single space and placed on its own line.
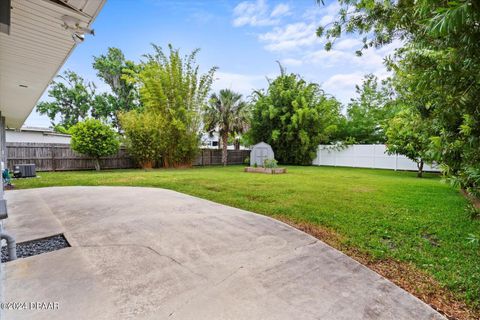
x=53 y=157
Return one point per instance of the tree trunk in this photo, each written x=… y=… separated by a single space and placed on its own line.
x=165 y=163
x=224 y=149
x=420 y=169
x=97 y=164
x=147 y=164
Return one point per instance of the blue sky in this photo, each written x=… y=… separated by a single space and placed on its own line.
x=244 y=39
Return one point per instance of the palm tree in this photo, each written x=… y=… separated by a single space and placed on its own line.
x=226 y=113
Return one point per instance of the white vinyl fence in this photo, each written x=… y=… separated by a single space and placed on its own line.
x=365 y=156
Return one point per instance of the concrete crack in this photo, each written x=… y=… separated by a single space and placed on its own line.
x=306 y=245
x=215 y=285
x=152 y=250
x=228 y=276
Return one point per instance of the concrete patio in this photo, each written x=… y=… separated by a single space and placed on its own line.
x=144 y=253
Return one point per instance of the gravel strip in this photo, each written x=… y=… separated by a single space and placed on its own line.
x=34 y=247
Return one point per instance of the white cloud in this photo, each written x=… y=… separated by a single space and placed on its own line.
x=320 y=13
x=242 y=83
x=344 y=56
x=326 y=58
x=257 y=13
x=292 y=36
x=301 y=34
x=348 y=43
x=343 y=81
x=281 y=9
x=370 y=58
x=291 y=62
x=296 y=44
x=326 y=20
x=342 y=86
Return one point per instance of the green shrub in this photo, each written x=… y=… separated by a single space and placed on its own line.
x=270 y=163
x=94 y=139
x=142 y=137
x=472 y=211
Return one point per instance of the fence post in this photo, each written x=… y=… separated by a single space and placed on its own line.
x=354 y=162
x=374 y=155
x=335 y=159
x=52 y=150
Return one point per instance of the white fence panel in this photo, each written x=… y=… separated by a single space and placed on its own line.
x=382 y=159
x=365 y=156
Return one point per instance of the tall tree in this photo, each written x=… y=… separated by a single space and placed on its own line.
x=174 y=91
x=228 y=114
x=113 y=68
x=408 y=134
x=72 y=98
x=439 y=59
x=367 y=113
x=294 y=117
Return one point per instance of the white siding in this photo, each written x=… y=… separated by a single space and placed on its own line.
x=36 y=137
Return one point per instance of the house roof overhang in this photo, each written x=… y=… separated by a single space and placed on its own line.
x=35 y=48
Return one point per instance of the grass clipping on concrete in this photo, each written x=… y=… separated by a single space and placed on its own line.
x=412 y=231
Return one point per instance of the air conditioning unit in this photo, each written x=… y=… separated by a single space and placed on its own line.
x=24 y=170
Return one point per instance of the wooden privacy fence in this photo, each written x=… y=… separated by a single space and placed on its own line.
x=208 y=157
x=60 y=157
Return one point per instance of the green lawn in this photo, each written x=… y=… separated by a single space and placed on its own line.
x=384 y=213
